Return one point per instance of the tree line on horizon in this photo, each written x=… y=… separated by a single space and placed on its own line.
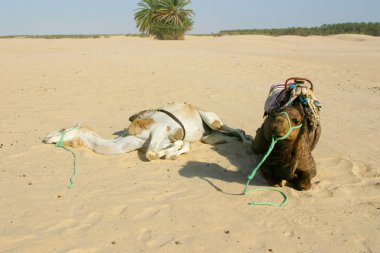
x=370 y=28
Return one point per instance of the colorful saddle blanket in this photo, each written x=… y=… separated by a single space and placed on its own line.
x=281 y=95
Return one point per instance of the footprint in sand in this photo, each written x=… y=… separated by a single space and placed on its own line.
x=363 y=171
x=289 y=233
x=145 y=236
x=79 y=226
x=342 y=176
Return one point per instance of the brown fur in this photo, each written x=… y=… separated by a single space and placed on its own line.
x=291 y=158
x=139 y=125
x=75 y=143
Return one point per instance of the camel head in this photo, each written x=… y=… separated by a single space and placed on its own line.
x=279 y=123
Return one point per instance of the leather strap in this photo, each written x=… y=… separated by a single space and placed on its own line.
x=171 y=115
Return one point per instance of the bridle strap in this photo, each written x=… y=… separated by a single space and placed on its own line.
x=171 y=115
x=291 y=128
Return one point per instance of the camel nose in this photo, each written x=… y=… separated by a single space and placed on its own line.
x=278 y=131
x=279 y=125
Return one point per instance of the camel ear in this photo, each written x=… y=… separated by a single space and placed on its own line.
x=177 y=135
x=303 y=143
x=300 y=109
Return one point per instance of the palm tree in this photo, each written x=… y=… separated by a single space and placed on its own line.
x=164 y=19
x=145 y=16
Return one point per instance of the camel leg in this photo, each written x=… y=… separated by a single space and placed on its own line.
x=211 y=119
x=159 y=140
x=174 y=147
x=178 y=148
x=302 y=177
x=301 y=181
x=214 y=122
x=176 y=153
x=82 y=136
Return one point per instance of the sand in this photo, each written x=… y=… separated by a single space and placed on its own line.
x=194 y=204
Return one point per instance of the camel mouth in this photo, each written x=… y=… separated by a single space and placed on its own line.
x=279 y=131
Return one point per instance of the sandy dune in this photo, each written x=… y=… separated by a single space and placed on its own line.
x=125 y=204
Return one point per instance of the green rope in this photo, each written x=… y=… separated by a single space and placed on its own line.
x=253 y=173
x=61 y=145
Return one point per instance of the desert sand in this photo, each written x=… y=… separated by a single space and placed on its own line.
x=194 y=204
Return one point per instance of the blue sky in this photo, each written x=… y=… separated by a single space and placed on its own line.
x=116 y=16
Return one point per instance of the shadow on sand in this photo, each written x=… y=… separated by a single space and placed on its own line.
x=238 y=155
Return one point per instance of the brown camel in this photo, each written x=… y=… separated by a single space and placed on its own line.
x=291 y=158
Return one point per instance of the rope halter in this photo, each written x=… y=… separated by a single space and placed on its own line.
x=291 y=128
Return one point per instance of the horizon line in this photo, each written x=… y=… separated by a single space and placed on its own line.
x=211 y=33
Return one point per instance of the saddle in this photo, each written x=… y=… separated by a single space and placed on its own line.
x=295 y=90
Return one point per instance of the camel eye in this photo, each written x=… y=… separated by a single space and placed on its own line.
x=296 y=121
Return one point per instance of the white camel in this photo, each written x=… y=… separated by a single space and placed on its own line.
x=162 y=133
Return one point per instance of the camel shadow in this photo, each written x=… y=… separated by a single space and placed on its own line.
x=239 y=156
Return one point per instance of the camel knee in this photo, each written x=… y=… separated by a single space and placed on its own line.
x=152 y=155
x=211 y=119
x=216 y=124
x=301 y=181
x=173 y=155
